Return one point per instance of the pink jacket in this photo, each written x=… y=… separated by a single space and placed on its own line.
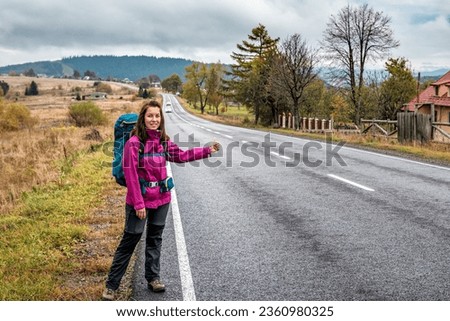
x=152 y=168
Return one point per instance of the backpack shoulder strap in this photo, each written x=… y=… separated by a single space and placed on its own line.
x=142 y=154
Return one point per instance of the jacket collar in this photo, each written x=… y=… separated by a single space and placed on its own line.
x=152 y=133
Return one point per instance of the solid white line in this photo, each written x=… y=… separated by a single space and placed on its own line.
x=351 y=183
x=187 y=283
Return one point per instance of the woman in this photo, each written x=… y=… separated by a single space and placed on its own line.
x=148 y=195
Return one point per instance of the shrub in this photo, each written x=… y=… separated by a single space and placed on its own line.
x=86 y=114
x=102 y=87
x=4 y=88
x=32 y=90
x=246 y=121
x=15 y=117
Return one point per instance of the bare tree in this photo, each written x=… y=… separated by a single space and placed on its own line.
x=294 y=70
x=352 y=38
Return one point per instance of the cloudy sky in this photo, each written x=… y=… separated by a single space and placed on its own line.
x=204 y=30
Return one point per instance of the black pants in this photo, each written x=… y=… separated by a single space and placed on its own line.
x=134 y=227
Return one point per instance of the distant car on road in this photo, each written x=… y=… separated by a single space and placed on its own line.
x=168 y=108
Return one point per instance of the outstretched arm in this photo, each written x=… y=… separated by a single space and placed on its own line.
x=178 y=155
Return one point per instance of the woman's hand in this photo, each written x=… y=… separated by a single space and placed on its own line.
x=141 y=213
x=215 y=147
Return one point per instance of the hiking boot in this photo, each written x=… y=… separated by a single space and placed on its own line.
x=108 y=294
x=156 y=286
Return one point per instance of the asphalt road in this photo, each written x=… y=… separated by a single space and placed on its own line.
x=334 y=223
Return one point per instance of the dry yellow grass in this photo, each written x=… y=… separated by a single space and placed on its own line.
x=44 y=156
x=28 y=157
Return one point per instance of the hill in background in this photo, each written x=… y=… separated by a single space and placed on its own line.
x=131 y=67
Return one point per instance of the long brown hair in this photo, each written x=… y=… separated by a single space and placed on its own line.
x=141 y=131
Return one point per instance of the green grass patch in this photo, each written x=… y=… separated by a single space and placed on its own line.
x=232 y=114
x=37 y=239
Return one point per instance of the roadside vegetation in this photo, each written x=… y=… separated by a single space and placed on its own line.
x=39 y=237
x=61 y=214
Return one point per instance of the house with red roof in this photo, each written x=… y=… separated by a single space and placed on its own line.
x=434 y=100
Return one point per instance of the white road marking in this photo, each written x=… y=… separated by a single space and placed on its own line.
x=278 y=155
x=351 y=183
x=187 y=283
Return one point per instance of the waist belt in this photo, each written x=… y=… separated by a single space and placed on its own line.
x=149 y=184
x=165 y=185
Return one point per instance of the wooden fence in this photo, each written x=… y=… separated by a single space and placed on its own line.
x=439 y=134
x=407 y=128
x=306 y=124
x=414 y=127
x=384 y=127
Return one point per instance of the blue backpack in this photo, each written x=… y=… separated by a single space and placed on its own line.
x=122 y=129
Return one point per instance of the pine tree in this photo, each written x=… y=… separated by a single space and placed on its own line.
x=250 y=73
x=4 y=86
x=398 y=89
x=32 y=90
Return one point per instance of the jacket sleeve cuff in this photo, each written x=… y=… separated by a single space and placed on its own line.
x=207 y=152
x=139 y=206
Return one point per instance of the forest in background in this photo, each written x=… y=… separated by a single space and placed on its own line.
x=131 y=67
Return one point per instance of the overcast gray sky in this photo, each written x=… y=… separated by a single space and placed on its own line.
x=204 y=30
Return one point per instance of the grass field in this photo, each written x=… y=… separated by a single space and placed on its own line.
x=61 y=214
x=232 y=115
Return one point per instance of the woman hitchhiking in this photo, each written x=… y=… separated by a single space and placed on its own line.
x=148 y=194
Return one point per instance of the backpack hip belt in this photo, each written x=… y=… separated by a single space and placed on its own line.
x=164 y=186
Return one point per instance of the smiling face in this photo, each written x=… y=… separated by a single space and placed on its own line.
x=152 y=118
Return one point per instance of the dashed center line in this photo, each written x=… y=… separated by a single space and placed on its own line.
x=279 y=155
x=351 y=183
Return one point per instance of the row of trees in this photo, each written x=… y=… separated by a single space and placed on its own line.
x=30 y=90
x=270 y=76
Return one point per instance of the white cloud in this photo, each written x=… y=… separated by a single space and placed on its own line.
x=204 y=29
